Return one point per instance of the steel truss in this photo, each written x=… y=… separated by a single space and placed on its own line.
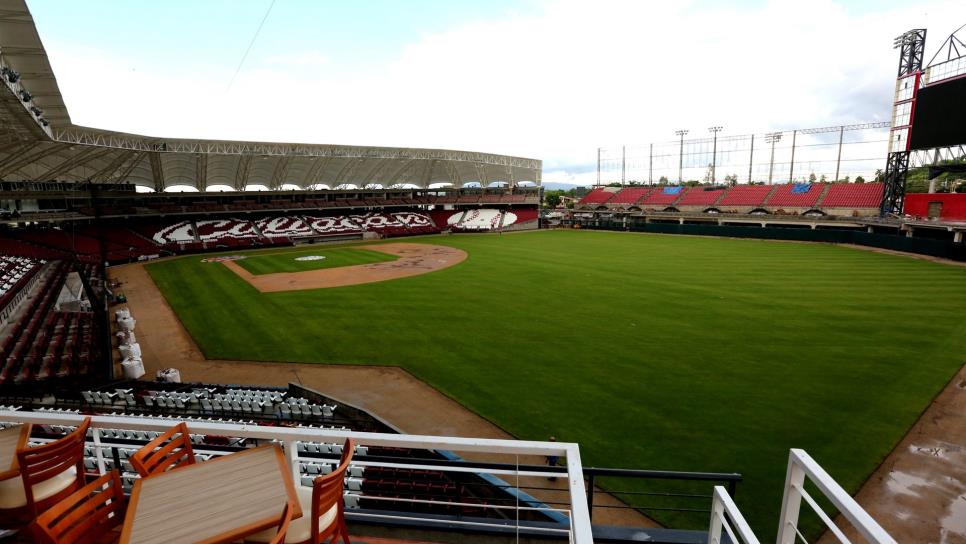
x=911 y=45
x=79 y=136
x=894 y=193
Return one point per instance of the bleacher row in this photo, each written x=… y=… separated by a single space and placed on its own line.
x=16 y=274
x=202 y=403
x=338 y=201
x=484 y=219
x=137 y=240
x=43 y=342
x=822 y=196
x=377 y=487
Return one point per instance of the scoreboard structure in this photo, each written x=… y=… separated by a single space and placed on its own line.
x=928 y=112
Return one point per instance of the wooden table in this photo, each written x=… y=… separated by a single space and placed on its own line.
x=220 y=500
x=12 y=439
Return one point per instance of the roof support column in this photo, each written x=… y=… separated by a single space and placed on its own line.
x=201 y=171
x=157 y=171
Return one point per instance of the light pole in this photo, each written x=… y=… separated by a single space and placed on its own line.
x=681 y=133
x=772 y=138
x=714 y=152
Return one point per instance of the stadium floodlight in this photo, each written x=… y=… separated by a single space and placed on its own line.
x=37 y=111
x=772 y=138
x=13 y=76
x=714 y=151
x=25 y=96
x=681 y=133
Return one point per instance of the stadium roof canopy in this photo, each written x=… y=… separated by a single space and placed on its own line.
x=38 y=142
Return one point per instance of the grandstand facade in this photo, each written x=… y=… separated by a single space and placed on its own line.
x=814 y=199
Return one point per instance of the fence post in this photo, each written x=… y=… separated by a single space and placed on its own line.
x=791 y=502
x=292 y=456
x=590 y=495
x=714 y=528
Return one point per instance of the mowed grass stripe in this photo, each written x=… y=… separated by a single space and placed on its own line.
x=285 y=261
x=664 y=352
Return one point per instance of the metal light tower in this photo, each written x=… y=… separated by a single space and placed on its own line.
x=714 y=152
x=772 y=138
x=911 y=46
x=681 y=133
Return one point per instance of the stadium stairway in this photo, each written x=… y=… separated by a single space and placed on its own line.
x=261 y=235
x=821 y=197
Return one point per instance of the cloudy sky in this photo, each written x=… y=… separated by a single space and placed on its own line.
x=548 y=79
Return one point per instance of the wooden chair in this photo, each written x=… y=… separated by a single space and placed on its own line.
x=283 y=525
x=88 y=516
x=164 y=452
x=323 y=510
x=48 y=473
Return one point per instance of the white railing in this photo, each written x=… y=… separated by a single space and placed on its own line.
x=802 y=466
x=577 y=528
x=725 y=515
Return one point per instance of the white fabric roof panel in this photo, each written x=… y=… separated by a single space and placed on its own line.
x=30 y=151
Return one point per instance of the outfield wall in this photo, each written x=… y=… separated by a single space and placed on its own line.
x=924 y=246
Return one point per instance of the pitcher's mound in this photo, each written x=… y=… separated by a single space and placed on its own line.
x=414 y=259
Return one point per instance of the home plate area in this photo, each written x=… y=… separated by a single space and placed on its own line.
x=413 y=260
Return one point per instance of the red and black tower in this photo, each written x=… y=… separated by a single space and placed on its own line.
x=911 y=45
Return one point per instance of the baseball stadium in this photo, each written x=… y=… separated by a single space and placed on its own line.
x=384 y=345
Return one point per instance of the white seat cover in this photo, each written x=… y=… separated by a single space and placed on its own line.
x=300 y=529
x=12 y=491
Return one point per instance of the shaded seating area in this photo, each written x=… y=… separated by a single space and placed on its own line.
x=43 y=342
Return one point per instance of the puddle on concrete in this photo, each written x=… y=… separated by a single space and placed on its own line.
x=953 y=524
x=900 y=483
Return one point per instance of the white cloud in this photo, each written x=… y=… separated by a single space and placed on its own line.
x=553 y=85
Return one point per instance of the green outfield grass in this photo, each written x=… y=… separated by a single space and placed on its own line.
x=284 y=261
x=651 y=351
